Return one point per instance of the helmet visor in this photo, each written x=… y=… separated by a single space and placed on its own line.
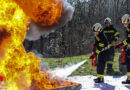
x=96 y=29
x=124 y=20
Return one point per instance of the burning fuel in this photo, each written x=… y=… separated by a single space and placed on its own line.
x=16 y=66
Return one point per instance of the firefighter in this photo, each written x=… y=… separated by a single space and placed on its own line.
x=112 y=36
x=126 y=22
x=101 y=48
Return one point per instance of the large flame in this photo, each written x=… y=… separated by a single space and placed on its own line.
x=20 y=69
x=45 y=12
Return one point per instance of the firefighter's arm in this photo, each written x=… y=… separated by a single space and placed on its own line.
x=98 y=51
x=100 y=45
x=100 y=48
x=116 y=35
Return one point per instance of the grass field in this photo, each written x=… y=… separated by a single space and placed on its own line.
x=85 y=69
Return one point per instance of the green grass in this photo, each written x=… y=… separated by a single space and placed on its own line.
x=61 y=62
x=85 y=69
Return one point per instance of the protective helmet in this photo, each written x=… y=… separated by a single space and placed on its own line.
x=107 y=20
x=125 y=19
x=97 y=27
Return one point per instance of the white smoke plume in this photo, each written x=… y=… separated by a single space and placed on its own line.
x=36 y=30
x=66 y=71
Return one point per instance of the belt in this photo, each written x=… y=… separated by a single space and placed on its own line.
x=105 y=48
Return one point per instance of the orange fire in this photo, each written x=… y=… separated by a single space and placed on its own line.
x=21 y=70
x=45 y=12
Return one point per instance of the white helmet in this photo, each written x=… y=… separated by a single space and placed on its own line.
x=125 y=19
x=97 y=27
x=107 y=20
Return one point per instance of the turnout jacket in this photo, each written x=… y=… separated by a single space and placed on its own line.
x=127 y=41
x=100 y=42
x=111 y=33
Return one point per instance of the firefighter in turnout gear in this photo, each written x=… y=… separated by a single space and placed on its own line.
x=101 y=50
x=126 y=22
x=112 y=36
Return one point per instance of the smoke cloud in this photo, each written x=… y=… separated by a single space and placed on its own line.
x=36 y=30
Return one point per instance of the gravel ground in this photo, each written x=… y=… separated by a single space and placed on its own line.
x=111 y=83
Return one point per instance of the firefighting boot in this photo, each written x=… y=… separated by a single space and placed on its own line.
x=99 y=80
x=127 y=81
x=110 y=70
